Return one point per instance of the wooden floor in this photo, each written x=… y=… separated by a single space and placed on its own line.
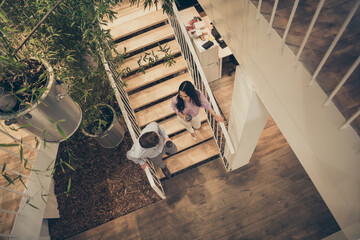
x=270 y=198
x=346 y=51
x=8 y=200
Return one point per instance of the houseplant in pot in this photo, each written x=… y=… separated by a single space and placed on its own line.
x=102 y=124
x=30 y=96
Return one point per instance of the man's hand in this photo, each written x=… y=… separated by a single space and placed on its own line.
x=143 y=166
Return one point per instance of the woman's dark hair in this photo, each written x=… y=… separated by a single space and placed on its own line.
x=149 y=140
x=189 y=89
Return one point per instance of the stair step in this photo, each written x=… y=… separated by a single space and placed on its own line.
x=147 y=19
x=190 y=157
x=154 y=113
x=153 y=74
x=172 y=125
x=184 y=140
x=125 y=12
x=132 y=62
x=157 y=92
x=145 y=39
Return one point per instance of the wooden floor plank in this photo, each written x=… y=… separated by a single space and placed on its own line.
x=145 y=39
x=172 y=125
x=153 y=74
x=154 y=113
x=6 y=223
x=132 y=62
x=157 y=91
x=137 y=24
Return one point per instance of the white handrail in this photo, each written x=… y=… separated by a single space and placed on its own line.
x=205 y=82
x=272 y=16
x=159 y=191
x=14 y=191
x=15 y=172
x=17 y=140
x=347 y=123
x=313 y=20
x=343 y=80
x=291 y=18
x=334 y=42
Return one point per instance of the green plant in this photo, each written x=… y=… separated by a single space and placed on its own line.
x=69 y=33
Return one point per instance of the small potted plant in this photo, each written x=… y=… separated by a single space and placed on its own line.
x=100 y=122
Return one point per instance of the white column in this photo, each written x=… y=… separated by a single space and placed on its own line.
x=248 y=117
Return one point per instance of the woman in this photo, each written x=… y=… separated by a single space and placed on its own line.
x=187 y=103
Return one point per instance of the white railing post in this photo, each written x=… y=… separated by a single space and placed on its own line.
x=334 y=42
x=291 y=18
x=348 y=122
x=272 y=16
x=343 y=80
x=312 y=23
x=258 y=13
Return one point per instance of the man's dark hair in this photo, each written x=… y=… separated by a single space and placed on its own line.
x=149 y=140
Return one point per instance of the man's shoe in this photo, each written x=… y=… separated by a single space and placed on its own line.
x=166 y=172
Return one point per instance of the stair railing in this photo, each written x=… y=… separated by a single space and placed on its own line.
x=219 y=130
x=129 y=116
x=329 y=50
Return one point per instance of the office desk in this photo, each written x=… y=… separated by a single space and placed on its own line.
x=211 y=58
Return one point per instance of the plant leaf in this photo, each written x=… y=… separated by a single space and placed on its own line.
x=9 y=145
x=3 y=169
x=61 y=131
x=69 y=185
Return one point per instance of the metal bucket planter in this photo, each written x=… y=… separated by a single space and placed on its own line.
x=113 y=135
x=55 y=108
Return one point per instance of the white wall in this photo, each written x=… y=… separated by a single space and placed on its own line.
x=248 y=117
x=330 y=156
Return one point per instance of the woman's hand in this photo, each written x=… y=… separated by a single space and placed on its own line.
x=219 y=118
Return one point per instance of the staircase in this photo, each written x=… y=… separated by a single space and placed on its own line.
x=141 y=31
x=346 y=51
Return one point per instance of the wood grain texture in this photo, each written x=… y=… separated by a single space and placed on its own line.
x=270 y=198
x=153 y=74
x=132 y=26
x=154 y=113
x=172 y=125
x=132 y=62
x=145 y=39
x=157 y=92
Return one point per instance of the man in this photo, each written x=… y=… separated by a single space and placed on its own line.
x=152 y=145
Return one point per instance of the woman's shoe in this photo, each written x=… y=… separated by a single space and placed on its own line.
x=193 y=136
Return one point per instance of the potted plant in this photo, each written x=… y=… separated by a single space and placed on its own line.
x=102 y=124
x=32 y=97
